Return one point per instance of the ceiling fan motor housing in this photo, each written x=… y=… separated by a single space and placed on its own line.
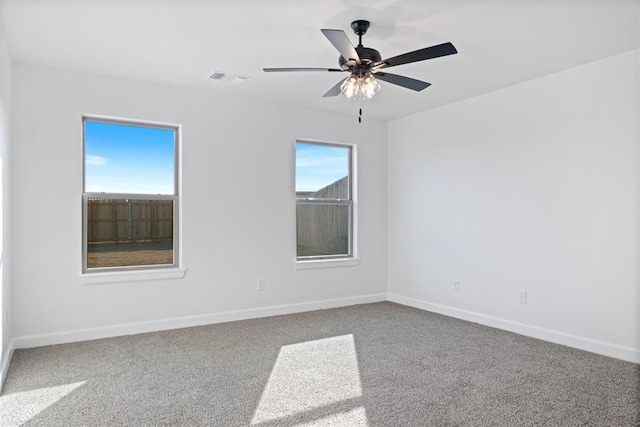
x=368 y=57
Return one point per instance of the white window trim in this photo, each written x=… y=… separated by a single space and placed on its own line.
x=326 y=263
x=135 y=273
x=94 y=278
x=353 y=259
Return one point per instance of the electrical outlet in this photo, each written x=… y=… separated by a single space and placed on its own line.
x=456 y=286
x=523 y=297
x=261 y=283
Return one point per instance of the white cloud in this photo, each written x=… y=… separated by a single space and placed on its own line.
x=96 y=160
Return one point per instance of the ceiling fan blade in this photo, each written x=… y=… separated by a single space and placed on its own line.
x=341 y=42
x=431 y=52
x=403 y=81
x=334 y=91
x=276 y=70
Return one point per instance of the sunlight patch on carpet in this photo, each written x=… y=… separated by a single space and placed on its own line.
x=354 y=418
x=18 y=408
x=313 y=376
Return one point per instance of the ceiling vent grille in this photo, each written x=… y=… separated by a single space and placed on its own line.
x=222 y=76
x=239 y=80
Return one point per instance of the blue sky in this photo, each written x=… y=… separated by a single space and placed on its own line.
x=319 y=165
x=140 y=160
x=128 y=159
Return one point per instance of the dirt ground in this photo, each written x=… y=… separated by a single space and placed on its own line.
x=130 y=254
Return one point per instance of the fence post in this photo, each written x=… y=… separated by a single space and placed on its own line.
x=115 y=220
x=130 y=220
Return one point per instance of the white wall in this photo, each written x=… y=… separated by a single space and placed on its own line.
x=5 y=204
x=534 y=187
x=238 y=209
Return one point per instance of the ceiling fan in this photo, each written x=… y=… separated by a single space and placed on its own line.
x=363 y=63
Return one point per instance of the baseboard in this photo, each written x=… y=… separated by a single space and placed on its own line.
x=606 y=349
x=4 y=363
x=594 y=346
x=186 y=322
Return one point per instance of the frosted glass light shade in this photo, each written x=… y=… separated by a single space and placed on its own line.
x=369 y=86
x=351 y=86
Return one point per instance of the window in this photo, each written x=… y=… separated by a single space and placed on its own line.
x=324 y=201
x=130 y=195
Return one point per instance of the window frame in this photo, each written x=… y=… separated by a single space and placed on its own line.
x=133 y=272
x=351 y=258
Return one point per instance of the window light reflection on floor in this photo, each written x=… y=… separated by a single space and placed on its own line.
x=18 y=408
x=354 y=418
x=318 y=378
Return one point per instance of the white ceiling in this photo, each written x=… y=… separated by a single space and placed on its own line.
x=500 y=43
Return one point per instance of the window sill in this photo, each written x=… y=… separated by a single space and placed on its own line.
x=131 y=276
x=326 y=263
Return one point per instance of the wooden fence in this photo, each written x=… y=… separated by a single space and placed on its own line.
x=336 y=190
x=119 y=221
x=323 y=229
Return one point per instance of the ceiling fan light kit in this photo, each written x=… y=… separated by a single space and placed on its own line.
x=366 y=86
x=365 y=64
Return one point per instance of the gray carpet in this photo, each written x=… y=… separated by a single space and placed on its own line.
x=369 y=365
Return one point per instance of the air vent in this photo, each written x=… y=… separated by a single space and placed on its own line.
x=239 y=80
x=222 y=76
